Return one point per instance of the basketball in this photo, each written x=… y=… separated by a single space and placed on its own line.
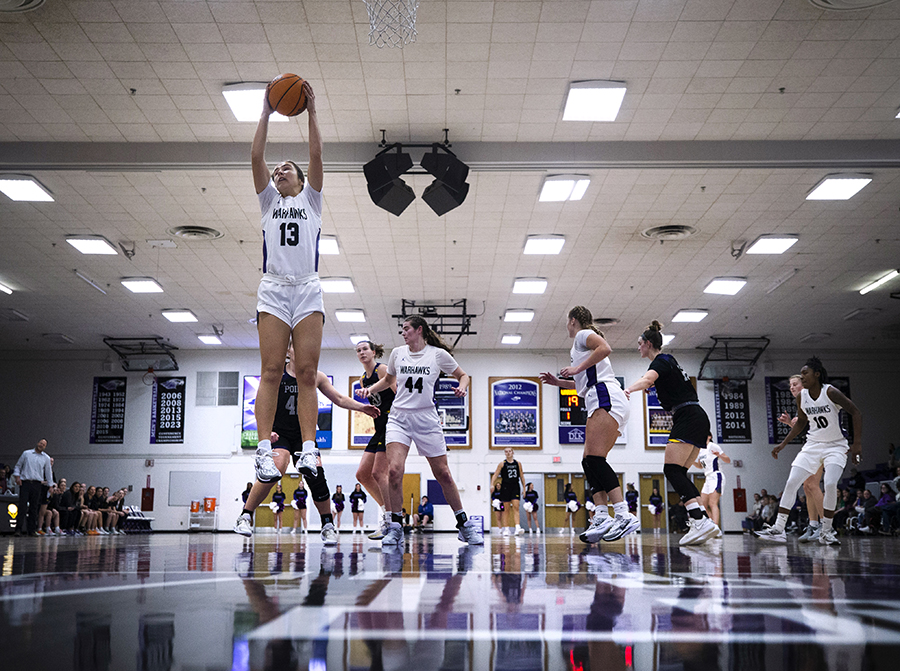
x=286 y=95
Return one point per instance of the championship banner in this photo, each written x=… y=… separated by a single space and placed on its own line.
x=362 y=427
x=167 y=410
x=249 y=434
x=780 y=400
x=108 y=410
x=515 y=412
x=732 y=411
x=454 y=413
x=573 y=417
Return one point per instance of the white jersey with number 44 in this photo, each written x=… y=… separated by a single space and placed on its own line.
x=824 y=423
x=417 y=373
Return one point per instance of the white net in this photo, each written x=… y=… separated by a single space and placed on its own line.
x=392 y=23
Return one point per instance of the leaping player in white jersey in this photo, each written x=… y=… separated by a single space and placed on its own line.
x=414 y=369
x=714 y=479
x=607 y=411
x=289 y=300
x=818 y=406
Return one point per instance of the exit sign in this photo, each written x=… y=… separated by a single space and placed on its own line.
x=557 y=460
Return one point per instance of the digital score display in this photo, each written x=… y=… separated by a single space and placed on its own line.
x=571 y=409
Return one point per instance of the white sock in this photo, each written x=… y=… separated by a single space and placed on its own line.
x=309 y=445
x=827 y=524
x=265 y=445
x=621 y=509
x=781 y=522
x=814 y=524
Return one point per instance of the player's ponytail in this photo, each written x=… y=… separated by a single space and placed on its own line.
x=653 y=335
x=428 y=334
x=584 y=318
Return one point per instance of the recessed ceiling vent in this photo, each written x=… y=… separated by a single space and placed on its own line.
x=669 y=232
x=195 y=233
x=18 y=6
x=847 y=5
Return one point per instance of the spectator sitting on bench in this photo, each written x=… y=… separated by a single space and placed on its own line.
x=425 y=515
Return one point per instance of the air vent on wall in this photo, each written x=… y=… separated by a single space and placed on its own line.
x=18 y=6
x=847 y=5
x=669 y=232
x=195 y=233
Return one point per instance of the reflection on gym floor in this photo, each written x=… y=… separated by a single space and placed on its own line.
x=176 y=601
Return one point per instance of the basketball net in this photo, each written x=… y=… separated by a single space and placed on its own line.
x=392 y=23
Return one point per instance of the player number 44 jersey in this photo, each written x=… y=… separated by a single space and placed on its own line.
x=417 y=373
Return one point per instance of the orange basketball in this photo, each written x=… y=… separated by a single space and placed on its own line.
x=286 y=94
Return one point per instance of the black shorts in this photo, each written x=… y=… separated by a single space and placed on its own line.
x=290 y=443
x=690 y=424
x=376 y=443
x=301 y=504
x=510 y=491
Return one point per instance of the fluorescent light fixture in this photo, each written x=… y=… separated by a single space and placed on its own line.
x=558 y=188
x=690 y=316
x=772 y=244
x=839 y=187
x=210 y=339
x=667 y=339
x=529 y=285
x=898 y=114
x=511 y=339
x=328 y=244
x=91 y=282
x=727 y=286
x=597 y=100
x=877 y=283
x=337 y=285
x=25 y=189
x=246 y=101
x=357 y=338
x=861 y=313
x=5 y=289
x=815 y=337
x=518 y=316
x=781 y=279
x=92 y=244
x=544 y=244
x=58 y=338
x=141 y=285
x=179 y=316
x=350 y=315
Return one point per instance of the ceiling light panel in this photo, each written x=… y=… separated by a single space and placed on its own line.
x=839 y=187
x=511 y=339
x=141 y=285
x=357 y=338
x=24 y=189
x=690 y=316
x=328 y=244
x=667 y=339
x=246 y=101
x=179 y=316
x=350 y=316
x=529 y=285
x=726 y=286
x=92 y=244
x=544 y=244
x=518 y=316
x=772 y=244
x=558 y=188
x=337 y=285
x=877 y=283
x=5 y=289
x=210 y=339
x=594 y=101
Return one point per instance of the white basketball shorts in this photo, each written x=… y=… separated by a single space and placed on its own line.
x=420 y=426
x=610 y=397
x=813 y=455
x=714 y=483
x=291 y=299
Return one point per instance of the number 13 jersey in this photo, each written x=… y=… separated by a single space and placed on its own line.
x=824 y=424
x=291 y=227
x=417 y=373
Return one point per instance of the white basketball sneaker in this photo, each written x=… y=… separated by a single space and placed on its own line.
x=266 y=470
x=597 y=529
x=243 y=525
x=329 y=534
x=308 y=463
x=772 y=535
x=700 y=531
x=469 y=533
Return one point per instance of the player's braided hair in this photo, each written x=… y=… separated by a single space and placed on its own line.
x=431 y=337
x=584 y=318
x=653 y=334
x=815 y=365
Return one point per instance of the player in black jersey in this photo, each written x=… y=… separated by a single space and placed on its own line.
x=690 y=428
x=287 y=441
x=509 y=475
x=373 y=467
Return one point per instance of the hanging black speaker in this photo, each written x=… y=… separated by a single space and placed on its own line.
x=385 y=187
